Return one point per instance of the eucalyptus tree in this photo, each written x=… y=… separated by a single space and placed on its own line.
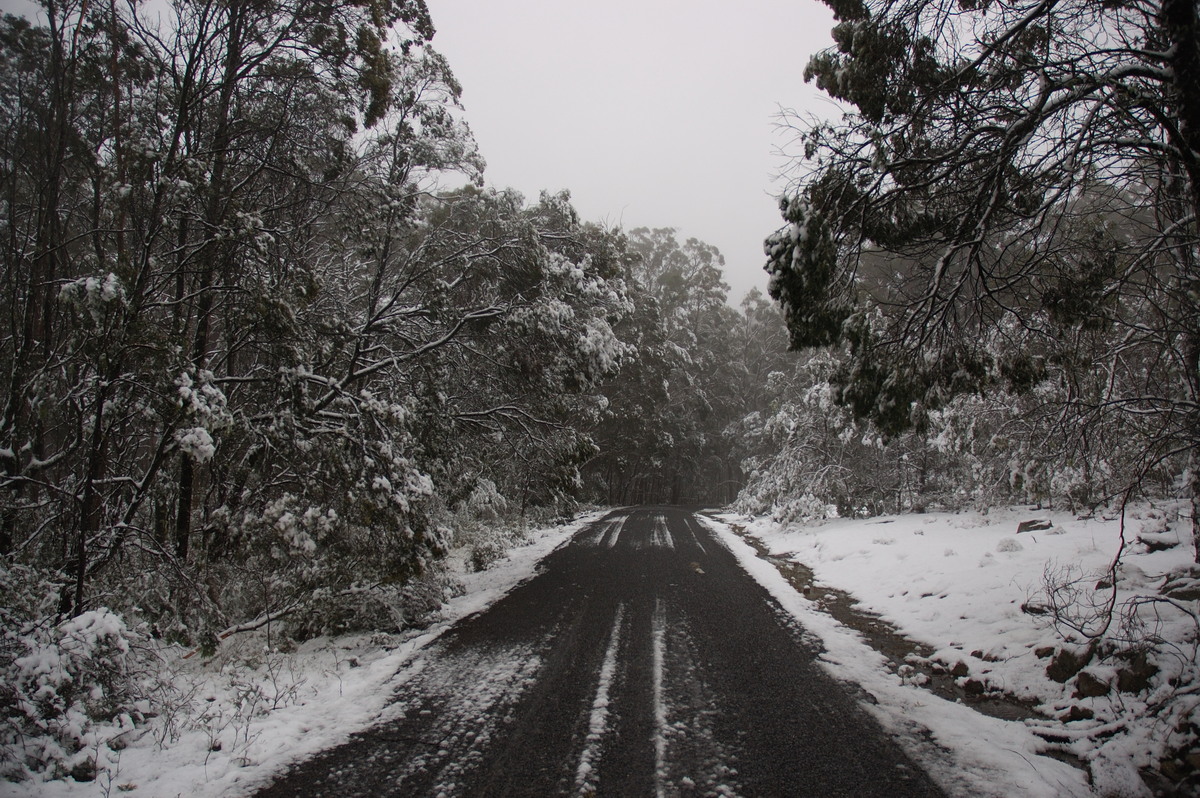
x=527 y=298
x=167 y=175
x=1010 y=201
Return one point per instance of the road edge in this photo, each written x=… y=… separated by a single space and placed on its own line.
x=966 y=753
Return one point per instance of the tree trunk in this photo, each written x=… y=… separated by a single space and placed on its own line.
x=183 y=513
x=1194 y=484
x=1181 y=23
x=212 y=251
x=90 y=505
x=1191 y=358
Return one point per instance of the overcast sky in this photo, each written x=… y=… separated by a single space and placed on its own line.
x=654 y=113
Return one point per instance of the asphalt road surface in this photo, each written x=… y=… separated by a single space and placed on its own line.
x=641 y=661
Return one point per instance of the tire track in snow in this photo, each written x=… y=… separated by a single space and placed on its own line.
x=691 y=525
x=615 y=531
x=657 y=632
x=661 y=536
x=585 y=782
x=689 y=760
x=604 y=532
x=471 y=698
x=448 y=712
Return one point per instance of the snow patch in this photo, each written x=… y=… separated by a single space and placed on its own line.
x=658 y=633
x=585 y=782
x=990 y=757
x=661 y=535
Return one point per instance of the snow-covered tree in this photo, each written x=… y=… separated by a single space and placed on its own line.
x=1010 y=201
x=662 y=439
x=246 y=330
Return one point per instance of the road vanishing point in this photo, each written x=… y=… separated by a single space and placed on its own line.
x=641 y=661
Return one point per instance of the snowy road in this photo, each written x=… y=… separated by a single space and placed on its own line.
x=642 y=661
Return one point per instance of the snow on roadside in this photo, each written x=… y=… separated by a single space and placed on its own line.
x=957 y=583
x=254 y=711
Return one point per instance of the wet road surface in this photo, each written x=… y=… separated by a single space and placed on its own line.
x=641 y=661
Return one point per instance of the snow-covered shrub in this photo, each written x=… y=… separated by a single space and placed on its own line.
x=803 y=508
x=1015 y=442
x=485 y=553
x=363 y=608
x=486 y=525
x=808 y=454
x=1145 y=643
x=68 y=690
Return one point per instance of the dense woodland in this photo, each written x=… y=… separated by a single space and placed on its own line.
x=270 y=347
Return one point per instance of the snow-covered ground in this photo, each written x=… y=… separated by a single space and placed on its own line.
x=248 y=713
x=957 y=583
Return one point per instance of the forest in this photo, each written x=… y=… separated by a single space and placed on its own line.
x=271 y=345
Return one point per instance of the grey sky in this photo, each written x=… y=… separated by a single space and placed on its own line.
x=657 y=113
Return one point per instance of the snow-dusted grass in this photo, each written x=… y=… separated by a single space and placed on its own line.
x=231 y=722
x=958 y=583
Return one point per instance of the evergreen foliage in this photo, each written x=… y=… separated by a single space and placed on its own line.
x=1008 y=209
